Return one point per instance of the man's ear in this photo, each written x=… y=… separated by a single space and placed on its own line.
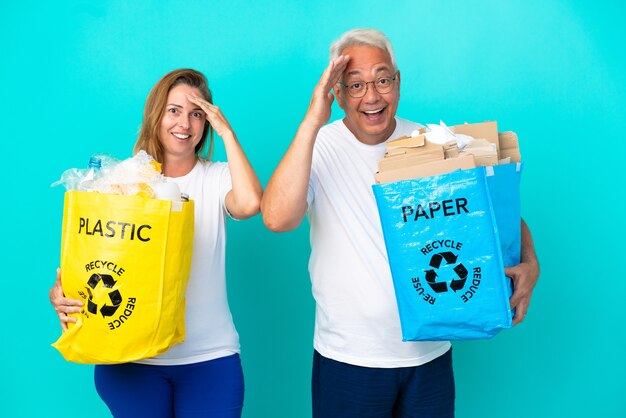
x=339 y=96
x=398 y=82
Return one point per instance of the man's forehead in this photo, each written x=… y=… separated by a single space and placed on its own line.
x=367 y=59
x=379 y=69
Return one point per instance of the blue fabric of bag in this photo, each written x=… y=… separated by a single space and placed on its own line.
x=448 y=238
x=504 y=189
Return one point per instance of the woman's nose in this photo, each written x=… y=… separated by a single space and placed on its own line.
x=183 y=122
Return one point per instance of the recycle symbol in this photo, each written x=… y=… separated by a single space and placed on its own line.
x=440 y=285
x=114 y=295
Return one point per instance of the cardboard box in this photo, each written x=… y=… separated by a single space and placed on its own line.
x=407 y=160
x=406 y=142
x=485 y=160
x=484 y=152
x=486 y=130
x=451 y=150
x=509 y=146
x=411 y=156
x=403 y=151
x=414 y=156
x=427 y=169
x=405 y=145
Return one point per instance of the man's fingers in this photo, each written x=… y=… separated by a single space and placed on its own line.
x=509 y=271
x=520 y=313
x=326 y=74
x=330 y=77
x=519 y=294
x=339 y=67
x=333 y=72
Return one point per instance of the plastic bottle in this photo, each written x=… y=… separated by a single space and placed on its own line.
x=92 y=173
x=95 y=164
x=167 y=191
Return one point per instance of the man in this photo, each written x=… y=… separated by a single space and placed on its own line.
x=361 y=367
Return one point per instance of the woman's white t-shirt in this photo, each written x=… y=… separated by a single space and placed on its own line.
x=210 y=332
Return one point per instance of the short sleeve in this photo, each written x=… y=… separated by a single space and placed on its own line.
x=310 y=194
x=225 y=185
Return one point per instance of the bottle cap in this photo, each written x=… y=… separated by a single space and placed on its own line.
x=95 y=162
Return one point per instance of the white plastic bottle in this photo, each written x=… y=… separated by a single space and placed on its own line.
x=169 y=191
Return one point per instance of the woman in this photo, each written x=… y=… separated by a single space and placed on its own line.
x=201 y=377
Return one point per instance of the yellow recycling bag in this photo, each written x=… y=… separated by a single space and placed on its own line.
x=128 y=259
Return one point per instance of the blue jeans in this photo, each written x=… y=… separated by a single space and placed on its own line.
x=211 y=388
x=342 y=390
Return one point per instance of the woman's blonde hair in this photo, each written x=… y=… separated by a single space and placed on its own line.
x=148 y=139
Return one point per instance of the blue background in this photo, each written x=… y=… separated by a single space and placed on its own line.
x=75 y=75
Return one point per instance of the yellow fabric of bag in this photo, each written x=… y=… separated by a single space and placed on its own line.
x=128 y=259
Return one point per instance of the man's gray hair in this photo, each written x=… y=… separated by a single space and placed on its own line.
x=366 y=36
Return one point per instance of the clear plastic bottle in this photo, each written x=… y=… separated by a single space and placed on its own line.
x=94 y=166
x=92 y=173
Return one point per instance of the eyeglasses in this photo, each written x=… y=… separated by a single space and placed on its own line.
x=358 y=89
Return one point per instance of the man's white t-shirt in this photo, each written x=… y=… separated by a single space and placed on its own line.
x=356 y=319
x=210 y=332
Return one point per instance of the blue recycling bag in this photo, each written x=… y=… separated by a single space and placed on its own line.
x=448 y=239
x=503 y=182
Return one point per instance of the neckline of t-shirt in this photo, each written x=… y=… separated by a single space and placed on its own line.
x=188 y=175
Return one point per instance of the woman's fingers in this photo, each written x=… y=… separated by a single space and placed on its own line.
x=62 y=305
x=213 y=114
